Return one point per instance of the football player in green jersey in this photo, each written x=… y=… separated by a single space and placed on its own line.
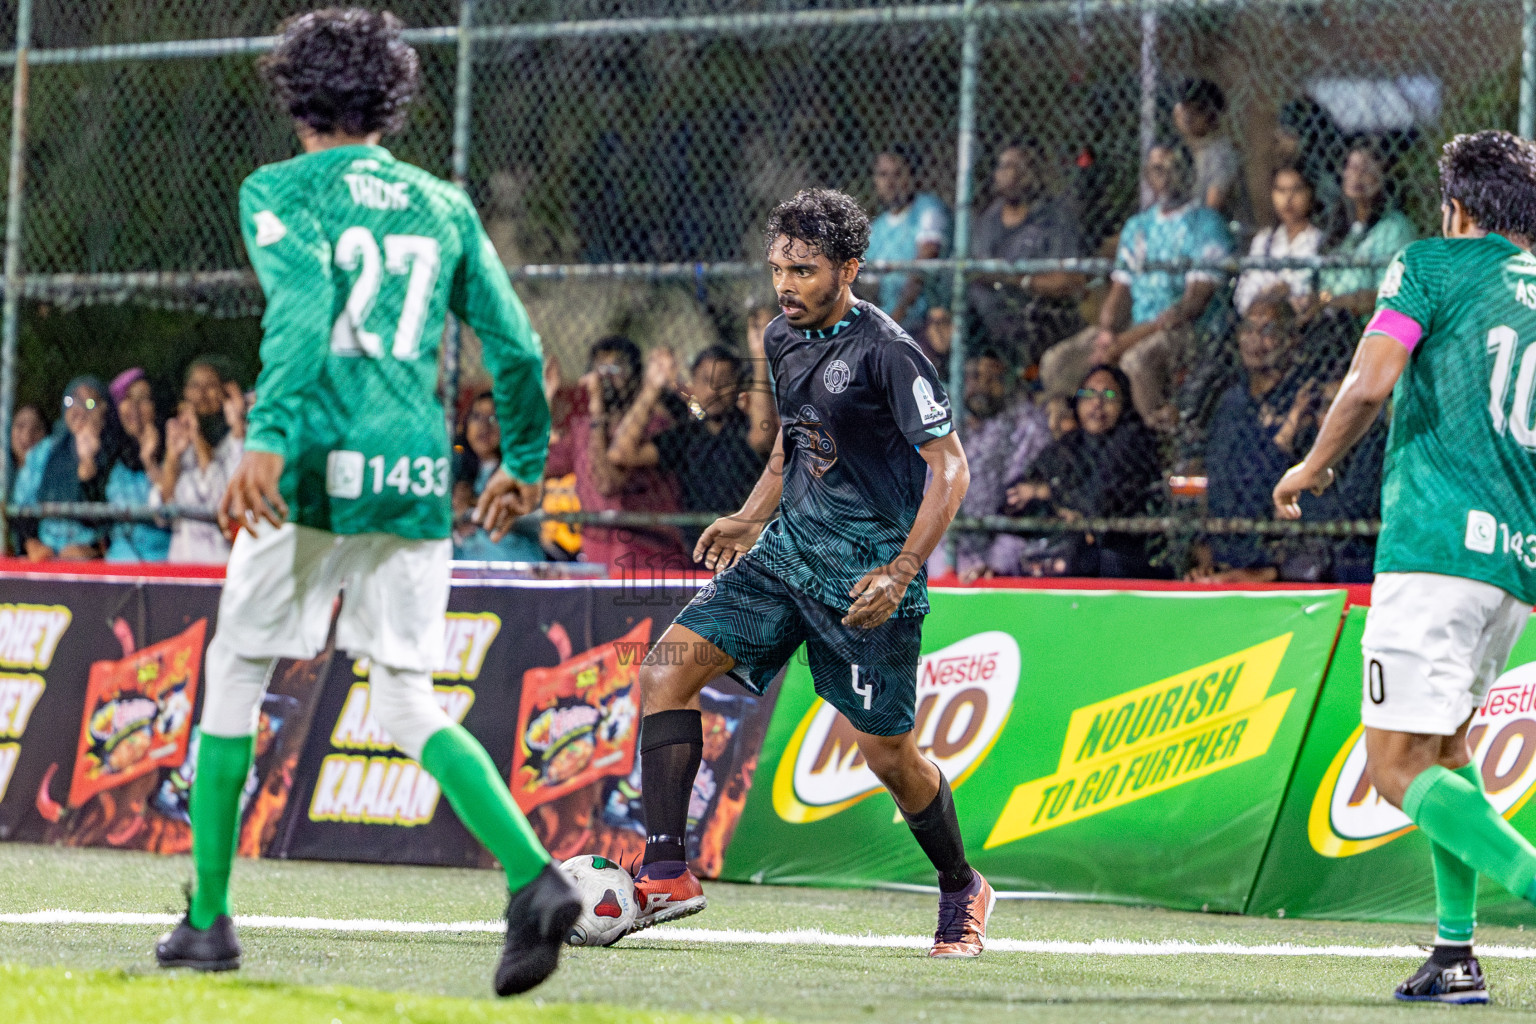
x=344 y=484
x=1453 y=343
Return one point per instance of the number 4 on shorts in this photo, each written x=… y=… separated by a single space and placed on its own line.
x=867 y=691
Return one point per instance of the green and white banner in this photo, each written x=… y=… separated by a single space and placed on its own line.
x=1341 y=851
x=1116 y=746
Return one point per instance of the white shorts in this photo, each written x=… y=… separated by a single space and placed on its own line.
x=1432 y=646
x=281 y=584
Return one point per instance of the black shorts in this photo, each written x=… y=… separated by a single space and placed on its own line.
x=870 y=675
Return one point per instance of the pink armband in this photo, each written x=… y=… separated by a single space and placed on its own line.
x=1396 y=325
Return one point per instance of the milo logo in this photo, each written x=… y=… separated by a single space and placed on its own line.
x=964 y=695
x=1348 y=816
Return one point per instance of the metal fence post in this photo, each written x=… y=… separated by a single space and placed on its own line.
x=1528 y=70
x=463 y=92
x=965 y=159
x=1149 y=73
x=12 y=309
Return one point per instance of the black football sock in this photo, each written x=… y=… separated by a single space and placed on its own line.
x=671 y=748
x=1445 y=954
x=937 y=830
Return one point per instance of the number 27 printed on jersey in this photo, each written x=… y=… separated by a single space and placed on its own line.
x=416 y=255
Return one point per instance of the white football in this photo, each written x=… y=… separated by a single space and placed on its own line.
x=608 y=905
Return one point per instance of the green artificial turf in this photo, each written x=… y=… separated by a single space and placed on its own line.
x=291 y=974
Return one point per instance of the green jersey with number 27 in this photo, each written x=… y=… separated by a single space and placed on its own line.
x=1459 y=492
x=361 y=258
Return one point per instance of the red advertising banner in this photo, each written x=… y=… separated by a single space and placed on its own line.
x=138 y=714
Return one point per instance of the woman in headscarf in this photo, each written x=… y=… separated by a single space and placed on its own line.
x=1107 y=467
x=477 y=454
x=28 y=429
x=203 y=445
x=136 y=471
x=72 y=464
x=1307 y=137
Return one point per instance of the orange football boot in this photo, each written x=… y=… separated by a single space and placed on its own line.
x=963 y=918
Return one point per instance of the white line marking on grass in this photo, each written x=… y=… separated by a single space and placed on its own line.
x=795 y=937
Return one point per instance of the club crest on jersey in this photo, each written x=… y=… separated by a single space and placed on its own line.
x=836 y=376
x=928 y=408
x=810 y=437
x=1392 y=283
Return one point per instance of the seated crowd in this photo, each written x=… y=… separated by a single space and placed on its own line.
x=1080 y=403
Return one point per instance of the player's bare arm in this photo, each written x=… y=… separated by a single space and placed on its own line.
x=879 y=592
x=729 y=537
x=1378 y=363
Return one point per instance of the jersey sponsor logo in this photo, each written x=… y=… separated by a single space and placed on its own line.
x=1349 y=817
x=810 y=437
x=836 y=376
x=928 y=408
x=1153 y=739
x=1482 y=532
x=344 y=474
x=1392 y=282
x=964 y=696
x=376 y=193
x=269 y=229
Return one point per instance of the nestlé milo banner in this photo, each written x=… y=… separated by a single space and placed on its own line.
x=1109 y=745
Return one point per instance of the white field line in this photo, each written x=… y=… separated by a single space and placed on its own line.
x=796 y=937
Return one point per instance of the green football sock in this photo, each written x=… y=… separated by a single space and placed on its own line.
x=1455 y=882
x=1454 y=814
x=223 y=765
x=480 y=797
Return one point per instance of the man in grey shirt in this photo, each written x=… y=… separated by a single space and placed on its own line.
x=1023 y=315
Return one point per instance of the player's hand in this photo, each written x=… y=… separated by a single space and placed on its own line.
x=1297 y=479
x=253 y=494
x=876 y=596
x=504 y=499
x=724 y=541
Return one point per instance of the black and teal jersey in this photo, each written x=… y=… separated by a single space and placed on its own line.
x=856 y=401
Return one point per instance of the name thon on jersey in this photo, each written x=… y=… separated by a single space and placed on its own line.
x=376 y=193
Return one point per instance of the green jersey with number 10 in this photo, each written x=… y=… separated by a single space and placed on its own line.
x=361 y=258
x=1459 y=491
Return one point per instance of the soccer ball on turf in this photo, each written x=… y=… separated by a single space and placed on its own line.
x=608 y=905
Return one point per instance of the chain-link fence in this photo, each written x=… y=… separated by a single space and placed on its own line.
x=624 y=155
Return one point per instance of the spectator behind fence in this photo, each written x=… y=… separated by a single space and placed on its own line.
x=611 y=384
x=1160 y=306
x=913 y=225
x=136 y=471
x=937 y=336
x=28 y=428
x=1254 y=437
x=203 y=445
x=1219 y=181
x=1022 y=316
x=1307 y=137
x=1107 y=467
x=1366 y=226
x=721 y=437
x=1295 y=236
x=72 y=464
x=1002 y=433
x=477 y=454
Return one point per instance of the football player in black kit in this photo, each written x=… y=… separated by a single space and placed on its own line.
x=828 y=551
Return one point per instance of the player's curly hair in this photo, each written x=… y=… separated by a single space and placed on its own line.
x=832 y=223
x=344 y=69
x=1493 y=175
